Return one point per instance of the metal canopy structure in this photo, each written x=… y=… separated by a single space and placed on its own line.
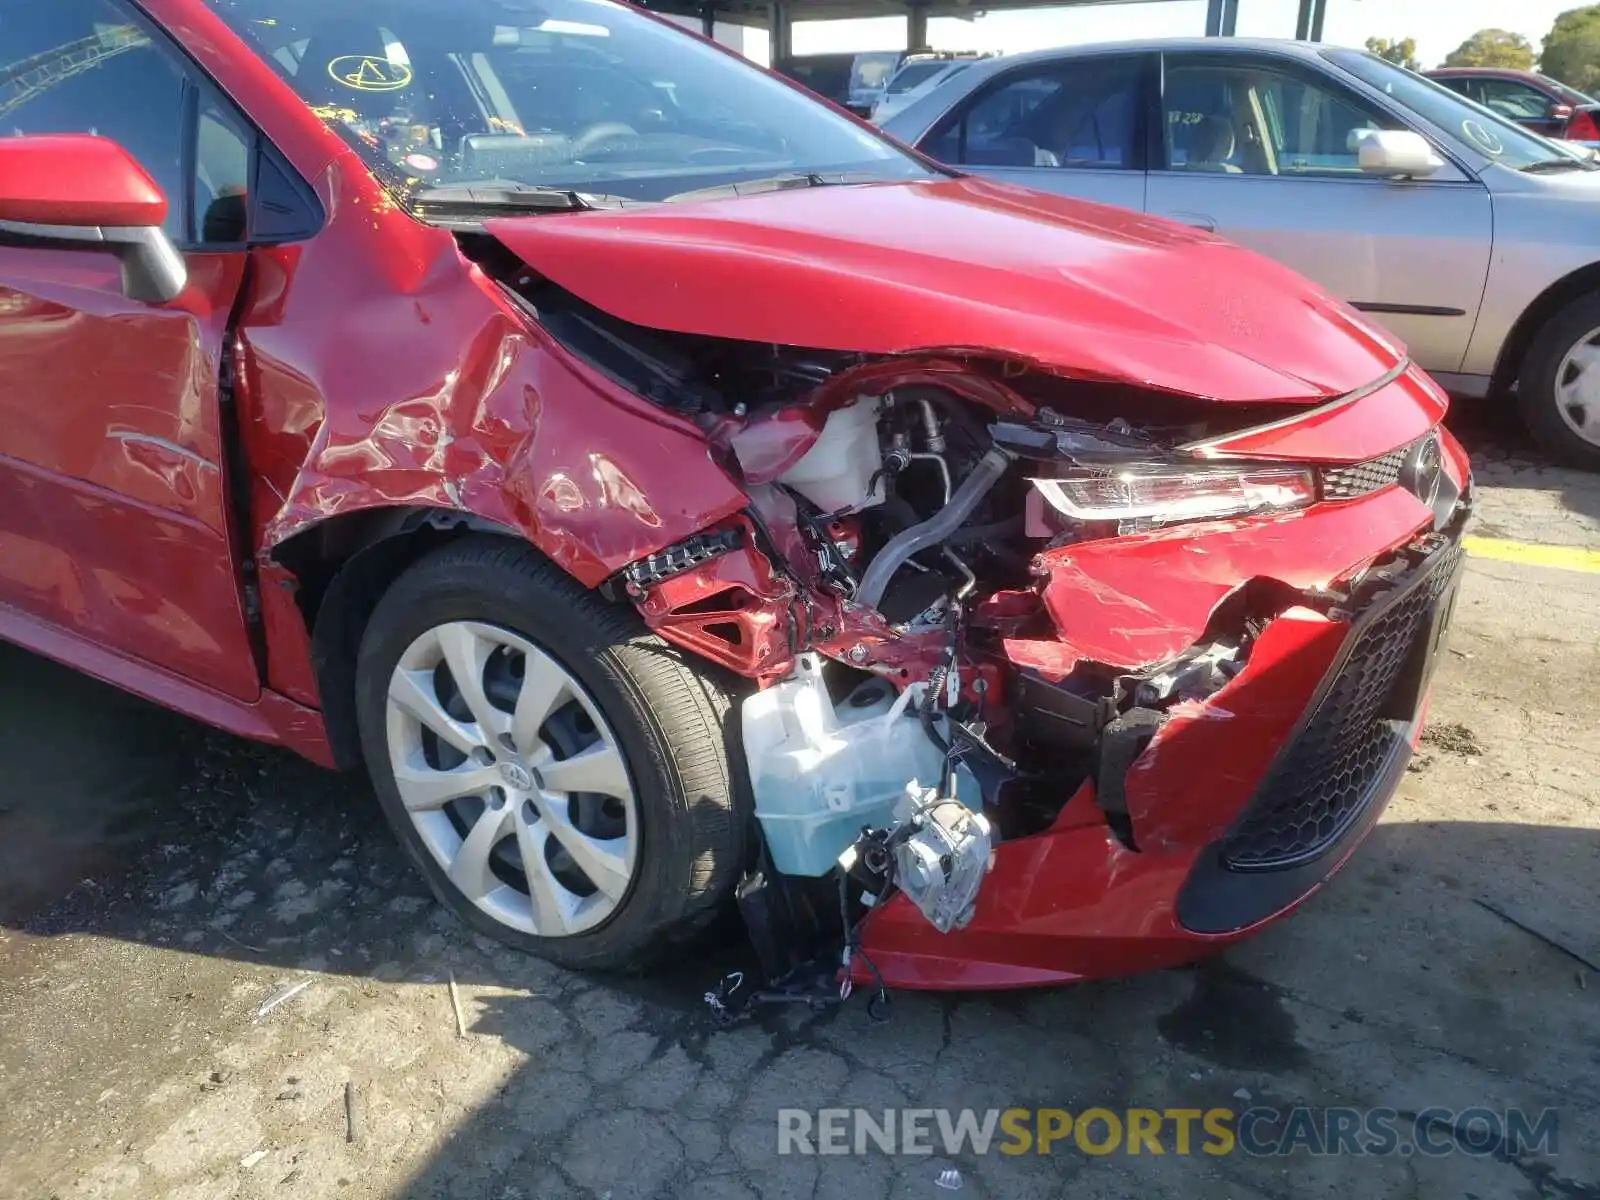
x=778 y=16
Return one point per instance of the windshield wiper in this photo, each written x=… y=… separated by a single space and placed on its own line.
x=781 y=183
x=471 y=203
x=1546 y=165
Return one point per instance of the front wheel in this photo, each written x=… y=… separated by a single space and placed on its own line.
x=1559 y=389
x=562 y=778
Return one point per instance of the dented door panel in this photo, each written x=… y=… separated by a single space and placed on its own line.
x=113 y=510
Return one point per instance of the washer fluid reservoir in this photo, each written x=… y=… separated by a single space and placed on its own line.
x=821 y=772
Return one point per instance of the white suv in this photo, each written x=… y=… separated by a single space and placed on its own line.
x=914 y=80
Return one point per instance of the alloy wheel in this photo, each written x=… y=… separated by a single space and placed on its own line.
x=512 y=778
x=1578 y=388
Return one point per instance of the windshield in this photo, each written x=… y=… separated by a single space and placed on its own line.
x=586 y=95
x=870 y=71
x=910 y=75
x=1485 y=131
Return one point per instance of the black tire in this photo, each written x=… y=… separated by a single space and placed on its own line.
x=1536 y=387
x=670 y=720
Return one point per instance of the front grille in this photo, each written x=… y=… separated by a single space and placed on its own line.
x=1362 y=479
x=1321 y=784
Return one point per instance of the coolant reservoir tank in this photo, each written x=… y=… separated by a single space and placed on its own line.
x=838 y=472
x=822 y=772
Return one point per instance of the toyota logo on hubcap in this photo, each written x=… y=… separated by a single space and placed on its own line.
x=516 y=776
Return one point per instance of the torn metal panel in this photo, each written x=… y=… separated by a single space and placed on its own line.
x=1142 y=599
x=733 y=610
x=1206 y=760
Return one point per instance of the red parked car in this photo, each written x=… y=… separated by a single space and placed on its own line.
x=1542 y=104
x=669 y=489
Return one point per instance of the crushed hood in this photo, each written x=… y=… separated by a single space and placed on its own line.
x=1083 y=289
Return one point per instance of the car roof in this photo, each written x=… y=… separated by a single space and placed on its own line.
x=1500 y=72
x=1178 y=45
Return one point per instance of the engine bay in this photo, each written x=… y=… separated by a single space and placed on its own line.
x=894 y=591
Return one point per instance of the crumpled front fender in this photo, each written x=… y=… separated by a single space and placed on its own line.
x=378 y=367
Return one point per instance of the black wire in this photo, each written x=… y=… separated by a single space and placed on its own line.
x=852 y=939
x=883 y=988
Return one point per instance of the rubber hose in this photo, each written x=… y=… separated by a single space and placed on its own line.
x=934 y=530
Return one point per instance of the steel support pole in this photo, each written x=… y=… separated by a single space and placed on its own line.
x=916 y=27
x=781 y=34
x=1222 y=18
x=1313 y=14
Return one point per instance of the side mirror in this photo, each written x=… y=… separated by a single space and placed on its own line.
x=1560 y=111
x=85 y=191
x=1396 y=153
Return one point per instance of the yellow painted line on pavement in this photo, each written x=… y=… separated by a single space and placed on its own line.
x=1562 y=558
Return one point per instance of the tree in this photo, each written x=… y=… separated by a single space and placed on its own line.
x=1402 y=52
x=1572 y=51
x=1493 y=48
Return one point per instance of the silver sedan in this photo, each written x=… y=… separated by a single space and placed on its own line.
x=1475 y=241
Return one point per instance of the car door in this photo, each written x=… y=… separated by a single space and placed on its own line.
x=113 y=483
x=1262 y=150
x=1077 y=127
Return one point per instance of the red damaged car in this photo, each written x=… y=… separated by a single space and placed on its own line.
x=672 y=491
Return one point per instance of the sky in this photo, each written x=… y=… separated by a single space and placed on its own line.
x=1438 y=25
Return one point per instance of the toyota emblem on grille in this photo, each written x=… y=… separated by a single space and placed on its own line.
x=1424 y=470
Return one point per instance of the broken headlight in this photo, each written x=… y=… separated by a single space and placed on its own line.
x=1164 y=492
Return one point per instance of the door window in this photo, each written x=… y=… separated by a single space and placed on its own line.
x=1246 y=119
x=1079 y=116
x=87 y=66
x=1515 y=100
x=223 y=145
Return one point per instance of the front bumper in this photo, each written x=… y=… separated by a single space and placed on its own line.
x=1241 y=807
x=1332 y=780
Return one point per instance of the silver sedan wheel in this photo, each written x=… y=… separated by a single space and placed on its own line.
x=513 y=780
x=1578 y=388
